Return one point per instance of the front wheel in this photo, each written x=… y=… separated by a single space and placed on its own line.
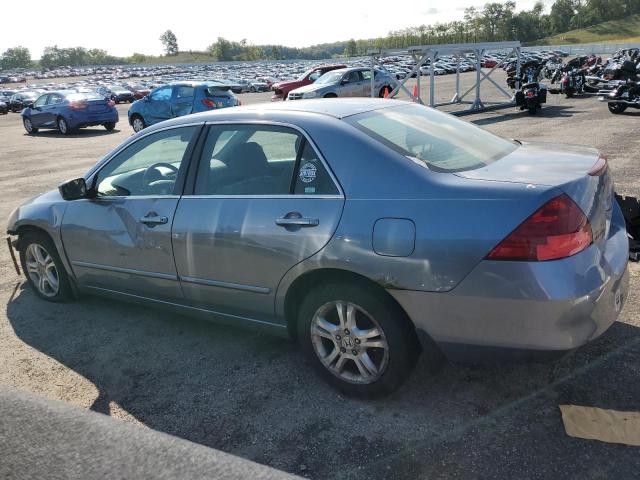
x=617 y=108
x=138 y=123
x=28 y=126
x=568 y=94
x=359 y=341
x=43 y=268
x=110 y=126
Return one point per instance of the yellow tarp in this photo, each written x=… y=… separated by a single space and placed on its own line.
x=598 y=424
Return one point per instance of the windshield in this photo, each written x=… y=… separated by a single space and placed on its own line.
x=305 y=75
x=330 y=77
x=443 y=142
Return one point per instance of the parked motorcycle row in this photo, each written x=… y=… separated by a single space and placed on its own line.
x=616 y=80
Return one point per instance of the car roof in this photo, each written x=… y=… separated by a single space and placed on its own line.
x=335 y=108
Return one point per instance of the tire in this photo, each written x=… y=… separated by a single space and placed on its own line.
x=568 y=94
x=40 y=260
x=131 y=100
x=616 y=108
x=252 y=89
x=28 y=126
x=137 y=123
x=330 y=95
x=63 y=126
x=533 y=110
x=110 y=126
x=346 y=364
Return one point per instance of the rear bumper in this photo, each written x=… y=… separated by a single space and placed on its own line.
x=527 y=310
x=93 y=120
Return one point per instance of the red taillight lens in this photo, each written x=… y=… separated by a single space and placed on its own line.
x=208 y=103
x=556 y=230
x=111 y=103
x=530 y=93
x=78 y=105
x=599 y=167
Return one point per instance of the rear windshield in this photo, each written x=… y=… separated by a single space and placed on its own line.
x=79 y=97
x=443 y=142
x=221 y=91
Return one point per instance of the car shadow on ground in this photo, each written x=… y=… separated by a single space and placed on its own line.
x=254 y=396
x=547 y=111
x=80 y=133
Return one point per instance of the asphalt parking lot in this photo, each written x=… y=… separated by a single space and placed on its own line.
x=253 y=395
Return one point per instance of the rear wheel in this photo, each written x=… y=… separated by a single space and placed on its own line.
x=110 y=126
x=43 y=268
x=617 y=108
x=63 y=126
x=330 y=95
x=28 y=126
x=137 y=123
x=533 y=110
x=568 y=94
x=359 y=342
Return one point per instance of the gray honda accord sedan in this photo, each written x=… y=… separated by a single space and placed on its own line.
x=370 y=230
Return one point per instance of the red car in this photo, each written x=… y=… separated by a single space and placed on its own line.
x=140 y=92
x=282 y=89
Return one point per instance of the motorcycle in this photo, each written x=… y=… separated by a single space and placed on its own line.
x=531 y=94
x=573 y=80
x=624 y=96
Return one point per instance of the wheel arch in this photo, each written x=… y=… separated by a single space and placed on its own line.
x=296 y=293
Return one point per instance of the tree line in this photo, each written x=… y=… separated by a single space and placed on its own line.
x=495 y=21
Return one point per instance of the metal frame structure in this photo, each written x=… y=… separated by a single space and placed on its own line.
x=422 y=54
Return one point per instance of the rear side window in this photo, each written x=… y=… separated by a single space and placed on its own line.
x=217 y=92
x=184 y=91
x=442 y=142
x=260 y=160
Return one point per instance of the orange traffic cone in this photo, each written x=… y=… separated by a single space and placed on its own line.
x=386 y=92
x=415 y=91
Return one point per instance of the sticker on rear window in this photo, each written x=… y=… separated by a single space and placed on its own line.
x=307 y=173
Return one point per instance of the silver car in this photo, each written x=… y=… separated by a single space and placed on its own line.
x=370 y=230
x=345 y=82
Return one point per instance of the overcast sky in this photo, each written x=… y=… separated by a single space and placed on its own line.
x=123 y=27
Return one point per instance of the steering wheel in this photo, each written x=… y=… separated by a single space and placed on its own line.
x=152 y=171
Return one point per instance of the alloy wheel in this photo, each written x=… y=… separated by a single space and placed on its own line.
x=62 y=126
x=349 y=342
x=138 y=124
x=28 y=126
x=42 y=270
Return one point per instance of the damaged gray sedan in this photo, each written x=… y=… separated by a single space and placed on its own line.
x=370 y=230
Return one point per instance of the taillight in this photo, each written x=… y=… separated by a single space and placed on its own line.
x=77 y=105
x=599 y=167
x=111 y=103
x=208 y=103
x=530 y=93
x=556 y=230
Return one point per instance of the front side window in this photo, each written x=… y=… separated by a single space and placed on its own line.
x=54 y=99
x=440 y=141
x=315 y=75
x=163 y=93
x=149 y=166
x=260 y=160
x=41 y=101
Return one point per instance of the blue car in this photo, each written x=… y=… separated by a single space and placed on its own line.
x=178 y=99
x=68 y=110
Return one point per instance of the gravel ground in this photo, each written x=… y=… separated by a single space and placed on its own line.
x=253 y=395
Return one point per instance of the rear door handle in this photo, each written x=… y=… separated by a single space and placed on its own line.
x=154 y=220
x=298 y=222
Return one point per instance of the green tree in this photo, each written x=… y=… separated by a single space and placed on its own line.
x=169 y=42
x=352 y=48
x=16 y=57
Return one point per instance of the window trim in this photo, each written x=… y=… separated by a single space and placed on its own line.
x=197 y=154
x=181 y=179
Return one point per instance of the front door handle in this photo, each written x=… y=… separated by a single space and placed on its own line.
x=297 y=222
x=154 y=220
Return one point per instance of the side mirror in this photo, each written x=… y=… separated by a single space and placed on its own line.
x=73 y=189
x=146 y=98
x=344 y=81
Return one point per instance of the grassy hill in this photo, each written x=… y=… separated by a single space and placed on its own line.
x=614 y=31
x=181 y=57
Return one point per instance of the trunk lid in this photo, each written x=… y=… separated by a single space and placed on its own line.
x=565 y=167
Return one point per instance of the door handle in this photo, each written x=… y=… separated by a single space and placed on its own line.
x=154 y=220
x=297 y=222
